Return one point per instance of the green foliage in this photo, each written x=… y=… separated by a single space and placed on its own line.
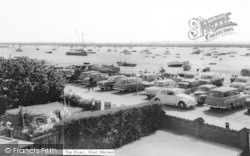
x=29 y=81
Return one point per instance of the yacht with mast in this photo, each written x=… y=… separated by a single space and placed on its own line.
x=125 y=64
x=78 y=52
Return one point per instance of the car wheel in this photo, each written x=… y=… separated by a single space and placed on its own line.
x=181 y=104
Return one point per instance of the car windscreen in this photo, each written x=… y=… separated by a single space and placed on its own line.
x=121 y=81
x=205 y=89
x=206 y=77
x=241 y=80
x=189 y=76
x=215 y=94
x=158 y=84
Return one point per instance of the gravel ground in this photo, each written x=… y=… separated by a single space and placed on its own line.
x=167 y=143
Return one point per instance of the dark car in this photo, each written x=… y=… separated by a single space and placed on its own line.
x=189 y=85
x=211 y=78
x=201 y=93
x=129 y=84
x=108 y=84
x=96 y=77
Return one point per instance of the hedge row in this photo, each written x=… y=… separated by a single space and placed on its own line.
x=111 y=128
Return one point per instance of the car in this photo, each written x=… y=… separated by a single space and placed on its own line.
x=171 y=75
x=175 y=97
x=191 y=75
x=241 y=82
x=225 y=98
x=211 y=78
x=83 y=75
x=129 y=84
x=246 y=90
x=158 y=85
x=96 y=77
x=201 y=93
x=189 y=85
x=67 y=72
x=149 y=79
x=108 y=84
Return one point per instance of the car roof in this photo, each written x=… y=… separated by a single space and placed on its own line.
x=209 y=74
x=165 y=80
x=92 y=71
x=172 y=89
x=207 y=85
x=188 y=80
x=129 y=78
x=118 y=76
x=243 y=77
x=224 y=89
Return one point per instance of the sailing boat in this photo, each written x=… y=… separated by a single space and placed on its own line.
x=120 y=63
x=78 y=52
x=19 y=48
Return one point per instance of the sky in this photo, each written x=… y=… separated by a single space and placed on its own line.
x=115 y=20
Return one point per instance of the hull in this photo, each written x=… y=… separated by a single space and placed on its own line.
x=126 y=64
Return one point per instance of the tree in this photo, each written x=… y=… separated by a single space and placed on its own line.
x=29 y=81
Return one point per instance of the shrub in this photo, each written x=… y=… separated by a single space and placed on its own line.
x=77 y=101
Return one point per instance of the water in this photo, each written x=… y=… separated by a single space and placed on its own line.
x=228 y=65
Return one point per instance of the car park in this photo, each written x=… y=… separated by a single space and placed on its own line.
x=108 y=84
x=201 y=93
x=225 y=98
x=241 y=82
x=158 y=85
x=189 y=85
x=129 y=84
x=175 y=97
x=211 y=78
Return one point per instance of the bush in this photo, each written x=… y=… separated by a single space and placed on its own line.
x=77 y=101
x=29 y=81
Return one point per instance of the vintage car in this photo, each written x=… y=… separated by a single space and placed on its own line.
x=241 y=82
x=171 y=75
x=225 y=98
x=96 y=77
x=175 y=97
x=211 y=78
x=129 y=84
x=247 y=90
x=149 y=79
x=67 y=72
x=83 y=75
x=190 y=75
x=201 y=93
x=158 y=85
x=189 y=85
x=108 y=84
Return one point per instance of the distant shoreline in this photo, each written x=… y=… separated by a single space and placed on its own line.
x=150 y=44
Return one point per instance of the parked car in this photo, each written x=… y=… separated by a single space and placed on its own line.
x=96 y=77
x=247 y=90
x=67 y=72
x=241 y=82
x=158 y=85
x=108 y=84
x=201 y=93
x=129 y=84
x=225 y=98
x=247 y=105
x=175 y=97
x=83 y=75
x=149 y=79
x=191 y=75
x=189 y=85
x=171 y=75
x=211 y=78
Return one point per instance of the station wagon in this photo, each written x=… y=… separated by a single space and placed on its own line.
x=129 y=84
x=225 y=98
x=189 y=85
x=241 y=82
x=108 y=84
